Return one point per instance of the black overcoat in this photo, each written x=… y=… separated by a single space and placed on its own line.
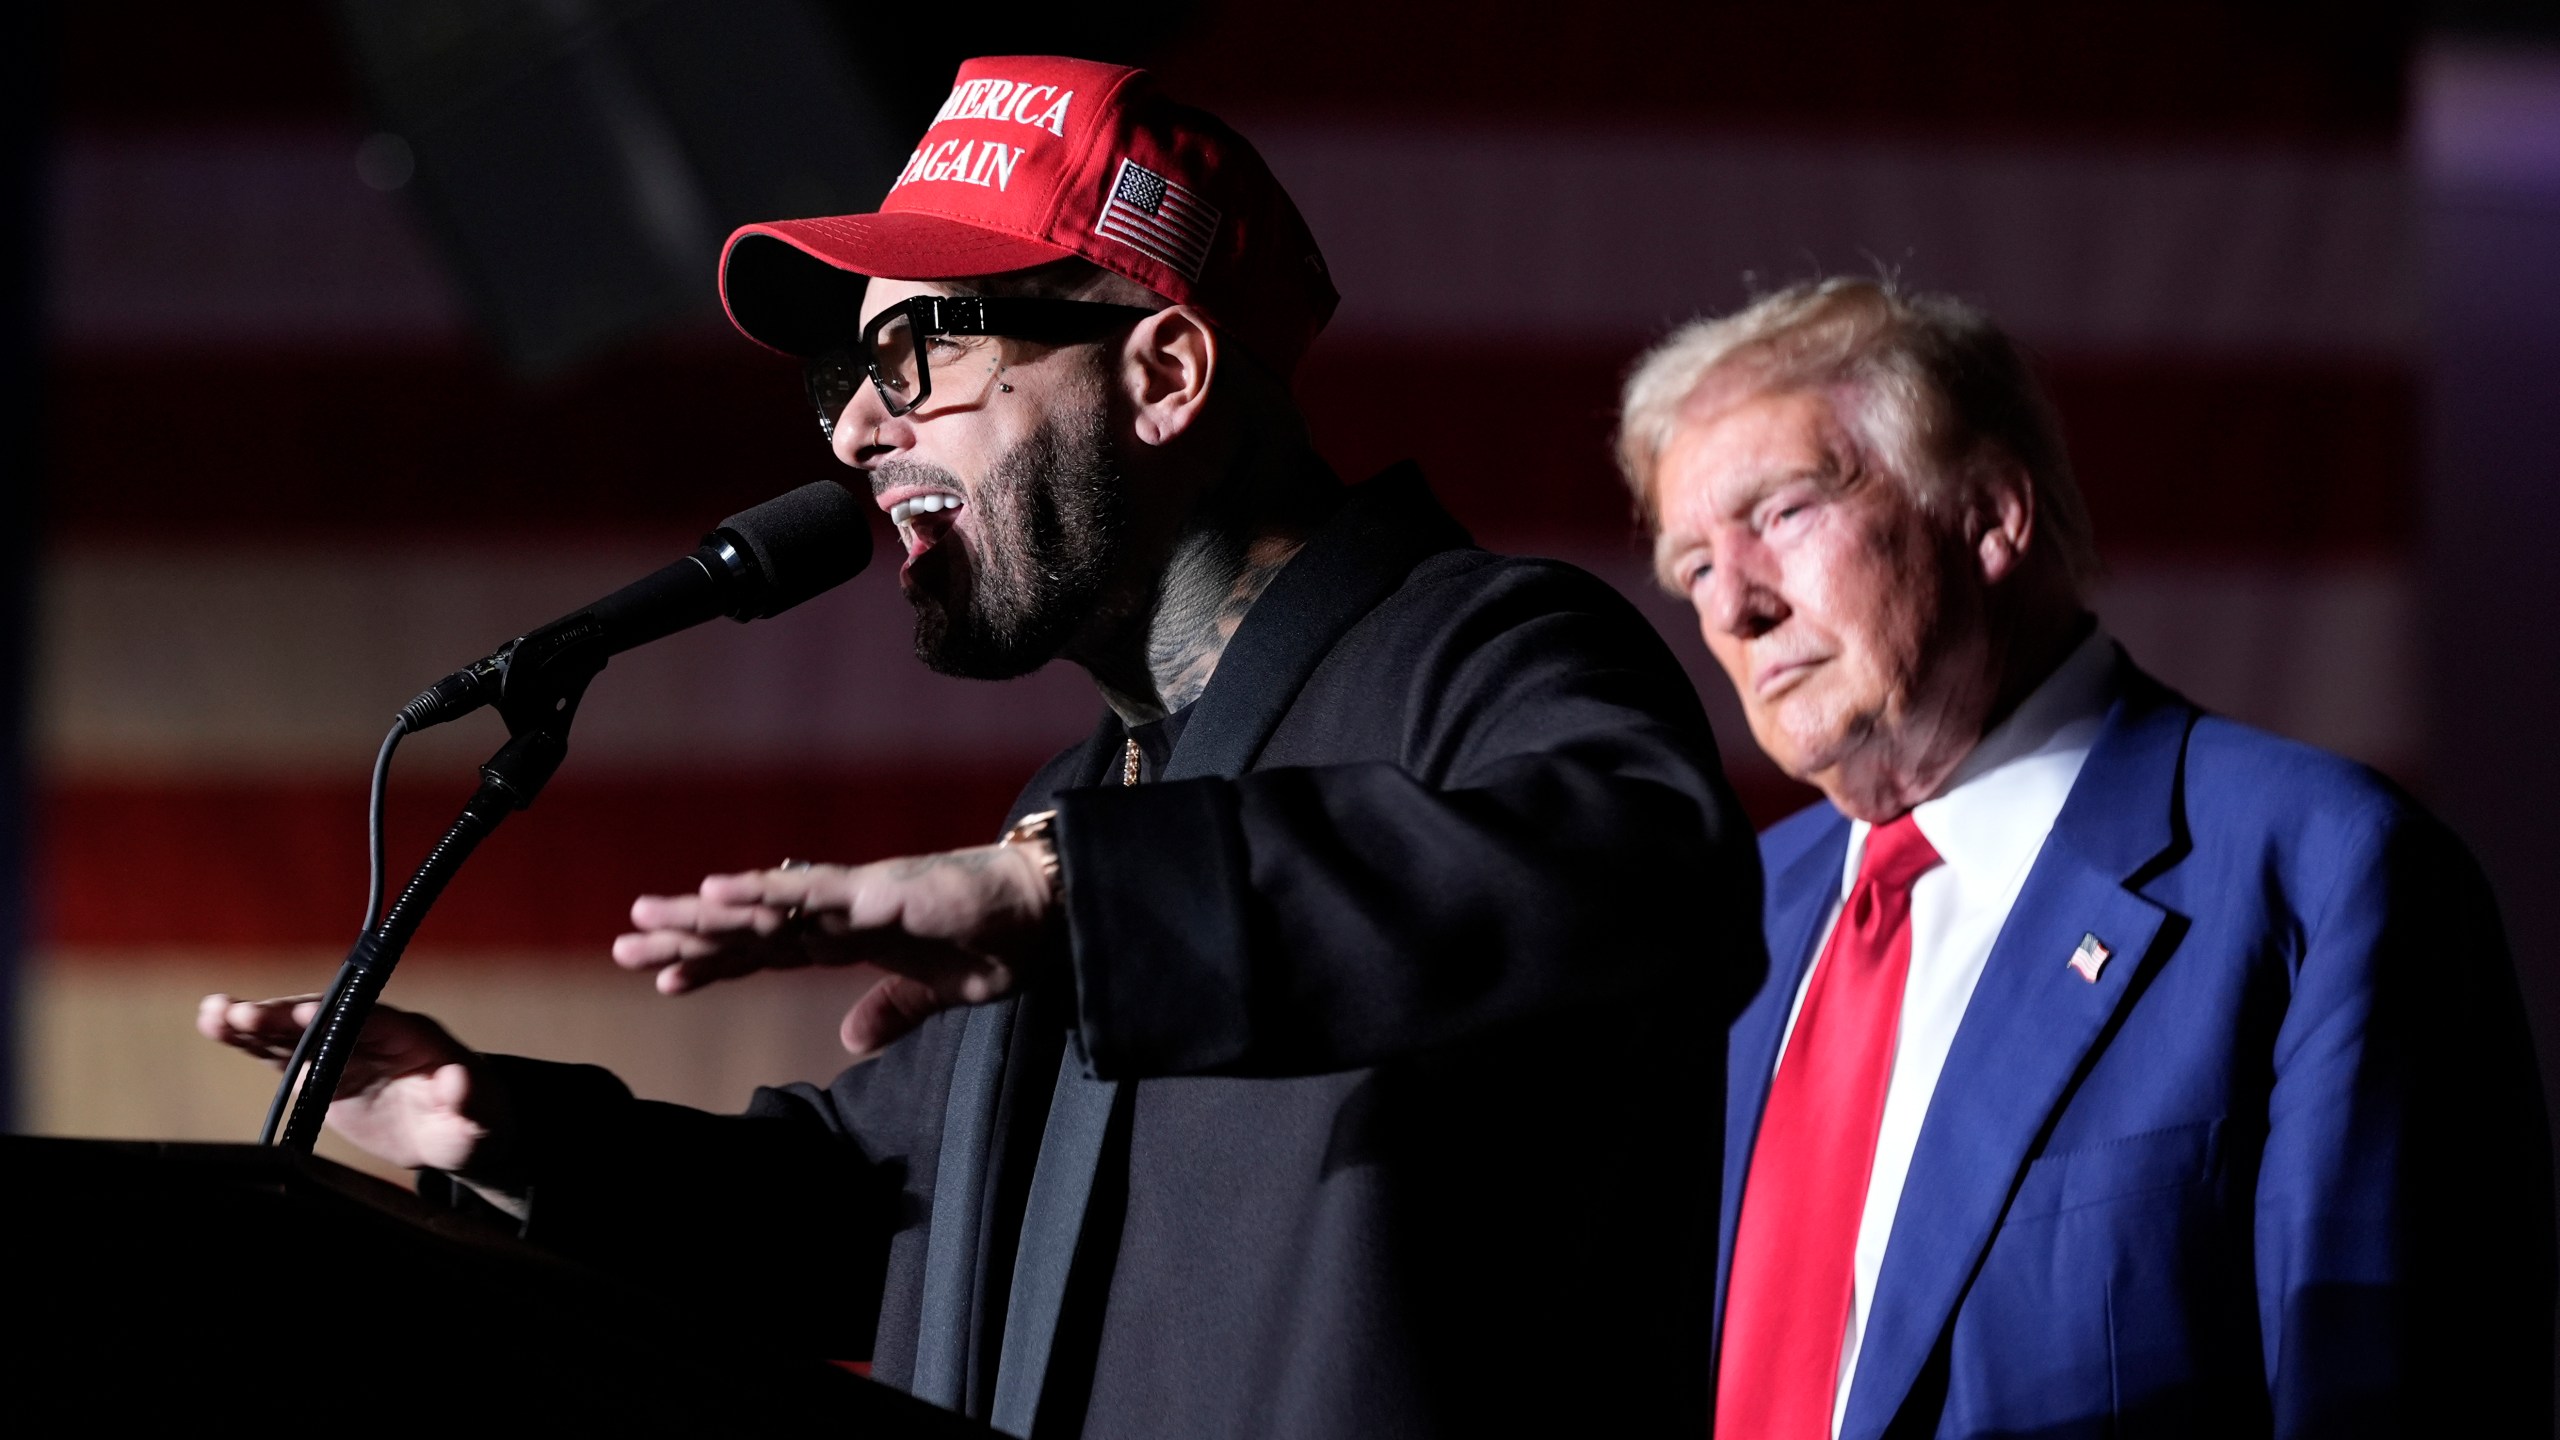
x=1395 y=1037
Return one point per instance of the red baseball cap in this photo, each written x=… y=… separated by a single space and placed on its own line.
x=1033 y=159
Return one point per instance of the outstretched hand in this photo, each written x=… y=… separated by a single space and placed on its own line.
x=409 y=1093
x=960 y=928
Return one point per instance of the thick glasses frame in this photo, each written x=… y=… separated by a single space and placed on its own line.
x=833 y=375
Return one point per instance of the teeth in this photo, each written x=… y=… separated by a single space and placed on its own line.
x=905 y=510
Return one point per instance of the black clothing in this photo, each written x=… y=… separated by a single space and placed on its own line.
x=1156 y=740
x=1395 y=1014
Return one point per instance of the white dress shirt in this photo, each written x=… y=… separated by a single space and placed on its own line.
x=1987 y=825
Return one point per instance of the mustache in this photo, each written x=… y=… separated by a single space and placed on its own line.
x=892 y=474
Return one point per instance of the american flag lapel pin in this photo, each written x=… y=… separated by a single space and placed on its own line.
x=2090 y=958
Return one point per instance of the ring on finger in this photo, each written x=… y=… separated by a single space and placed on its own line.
x=792 y=915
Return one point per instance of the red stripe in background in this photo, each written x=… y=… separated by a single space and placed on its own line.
x=2263 y=460
x=235 y=863
x=130 y=866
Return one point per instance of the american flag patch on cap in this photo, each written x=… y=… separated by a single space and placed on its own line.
x=1159 y=219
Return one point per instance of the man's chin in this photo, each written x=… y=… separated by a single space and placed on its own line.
x=1790 y=747
x=971 y=650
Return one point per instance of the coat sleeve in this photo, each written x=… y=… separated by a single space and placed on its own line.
x=1554 y=838
x=2404 y=1226
x=804 y=1217
x=781 y=1220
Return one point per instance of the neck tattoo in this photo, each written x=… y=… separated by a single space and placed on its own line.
x=1160 y=657
x=1203 y=604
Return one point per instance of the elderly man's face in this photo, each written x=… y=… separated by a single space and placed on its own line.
x=1850 y=620
x=1009 y=502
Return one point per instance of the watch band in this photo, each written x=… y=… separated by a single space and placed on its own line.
x=1038 y=825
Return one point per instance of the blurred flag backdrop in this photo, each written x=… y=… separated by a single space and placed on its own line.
x=288 y=486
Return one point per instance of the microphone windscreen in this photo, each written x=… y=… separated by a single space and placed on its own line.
x=805 y=543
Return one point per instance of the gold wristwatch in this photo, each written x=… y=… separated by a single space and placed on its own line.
x=1037 y=826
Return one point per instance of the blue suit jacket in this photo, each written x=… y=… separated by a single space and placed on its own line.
x=2281 y=1169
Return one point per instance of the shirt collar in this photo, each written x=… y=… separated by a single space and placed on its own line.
x=1992 y=816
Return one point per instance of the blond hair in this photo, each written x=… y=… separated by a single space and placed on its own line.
x=1934 y=389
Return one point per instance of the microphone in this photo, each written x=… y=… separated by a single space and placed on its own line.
x=757 y=564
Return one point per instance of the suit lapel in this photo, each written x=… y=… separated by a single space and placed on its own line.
x=2027 y=1034
x=2030 y=1023
x=1799 y=900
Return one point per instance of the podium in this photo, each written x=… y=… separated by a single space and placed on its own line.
x=202 y=1285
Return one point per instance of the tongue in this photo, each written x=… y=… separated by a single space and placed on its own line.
x=927 y=530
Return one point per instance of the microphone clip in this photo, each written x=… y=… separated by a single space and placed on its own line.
x=535 y=680
x=543 y=674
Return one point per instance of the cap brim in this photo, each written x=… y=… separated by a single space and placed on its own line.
x=796 y=285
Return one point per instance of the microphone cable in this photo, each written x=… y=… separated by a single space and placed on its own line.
x=373 y=820
x=294 y=1066
x=760 y=562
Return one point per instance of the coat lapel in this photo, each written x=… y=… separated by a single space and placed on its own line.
x=1799 y=900
x=2027 y=1032
x=949 y=1323
x=1354 y=562
x=1362 y=554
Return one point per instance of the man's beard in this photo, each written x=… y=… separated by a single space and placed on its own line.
x=1049 y=529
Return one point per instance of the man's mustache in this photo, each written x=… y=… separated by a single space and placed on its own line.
x=894 y=473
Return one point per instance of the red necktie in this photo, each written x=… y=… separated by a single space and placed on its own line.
x=1795 y=1246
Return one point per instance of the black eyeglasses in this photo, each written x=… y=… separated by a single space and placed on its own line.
x=894 y=346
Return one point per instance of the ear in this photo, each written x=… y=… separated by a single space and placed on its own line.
x=2002 y=518
x=1170 y=360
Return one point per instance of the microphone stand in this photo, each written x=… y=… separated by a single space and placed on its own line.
x=542 y=677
